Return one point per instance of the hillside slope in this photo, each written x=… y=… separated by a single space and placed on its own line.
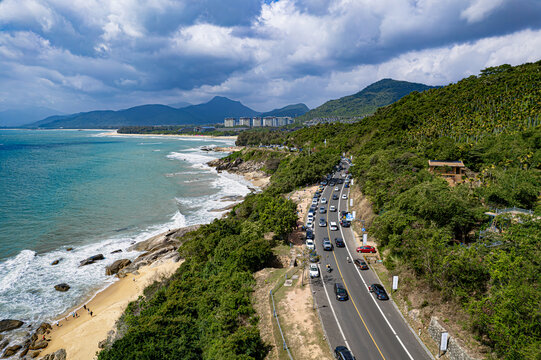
x=366 y=101
x=293 y=110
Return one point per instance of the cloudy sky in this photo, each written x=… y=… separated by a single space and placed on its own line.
x=79 y=55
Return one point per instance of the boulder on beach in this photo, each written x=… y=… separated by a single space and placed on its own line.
x=69 y=249
x=57 y=355
x=116 y=251
x=8 y=324
x=62 y=287
x=117 y=266
x=10 y=351
x=35 y=354
x=40 y=344
x=91 y=259
x=56 y=261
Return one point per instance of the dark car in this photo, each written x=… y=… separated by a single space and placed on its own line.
x=310 y=234
x=322 y=210
x=340 y=292
x=345 y=223
x=340 y=181
x=343 y=353
x=322 y=222
x=361 y=264
x=380 y=292
x=339 y=242
x=335 y=196
x=324 y=183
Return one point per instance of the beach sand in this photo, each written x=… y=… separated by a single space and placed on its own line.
x=80 y=336
x=115 y=133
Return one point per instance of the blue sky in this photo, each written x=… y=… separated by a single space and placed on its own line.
x=79 y=55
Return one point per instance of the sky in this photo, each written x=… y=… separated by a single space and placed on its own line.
x=81 y=55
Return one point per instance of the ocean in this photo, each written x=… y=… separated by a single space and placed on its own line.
x=95 y=193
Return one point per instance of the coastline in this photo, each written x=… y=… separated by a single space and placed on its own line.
x=116 y=133
x=80 y=337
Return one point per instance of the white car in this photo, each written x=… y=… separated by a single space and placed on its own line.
x=344 y=196
x=309 y=224
x=314 y=271
x=332 y=208
x=323 y=200
x=333 y=226
x=314 y=201
x=337 y=189
x=310 y=244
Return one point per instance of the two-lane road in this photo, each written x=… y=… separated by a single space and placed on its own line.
x=370 y=328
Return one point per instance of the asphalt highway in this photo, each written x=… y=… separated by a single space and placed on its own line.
x=370 y=328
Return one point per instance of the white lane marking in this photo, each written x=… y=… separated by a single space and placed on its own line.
x=366 y=287
x=332 y=308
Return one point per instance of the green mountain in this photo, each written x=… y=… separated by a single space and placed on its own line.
x=217 y=109
x=366 y=101
x=294 y=110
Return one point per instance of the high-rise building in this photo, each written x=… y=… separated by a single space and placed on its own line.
x=268 y=121
x=229 y=122
x=244 y=121
x=256 y=121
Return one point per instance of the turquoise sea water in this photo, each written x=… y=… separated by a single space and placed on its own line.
x=94 y=193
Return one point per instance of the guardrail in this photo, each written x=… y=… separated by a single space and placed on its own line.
x=275 y=315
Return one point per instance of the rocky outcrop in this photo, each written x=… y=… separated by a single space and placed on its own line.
x=8 y=324
x=56 y=261
x=62 y=287
x=4 y=344
x=238 y=166
x=116 y=251
x=57 y=355
x=91 y=260
x=40 y=344
x=157 y=248
x=10 y=351
x=117 y=266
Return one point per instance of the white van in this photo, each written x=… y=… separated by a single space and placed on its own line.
x=333 y=226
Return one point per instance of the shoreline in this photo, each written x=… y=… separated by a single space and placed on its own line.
x=116 y=133
x=80 y=336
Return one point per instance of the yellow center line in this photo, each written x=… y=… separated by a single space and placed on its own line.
x=344 y=281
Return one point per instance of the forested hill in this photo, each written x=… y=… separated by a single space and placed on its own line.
x=440 y=237
x=366 y=101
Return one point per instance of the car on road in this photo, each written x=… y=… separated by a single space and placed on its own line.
x=340 y=181
x=332 y=208
x=310 y=244
x=380 y=292
x=323 y=200
x=333 y=226
x=327 y=245
x=340 y=292
x=322 y=210
x=324 y=183
x=345 y=223
x=313 y=257
x=314 y=201
x=366 y=249
x=361 y=264
x=343 y=353
x=337 y=189
x=339 y=242
x=344 y=196
x=334 y=196
x=322 y=222
x=314 y=271
x=310 y=234
x=309 y=224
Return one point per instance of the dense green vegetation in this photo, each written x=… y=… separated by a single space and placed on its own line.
x=366 y=101
x=293 y=110
x=204 y=310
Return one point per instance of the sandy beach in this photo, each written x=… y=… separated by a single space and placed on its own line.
x=80 y=336
x=115 y=133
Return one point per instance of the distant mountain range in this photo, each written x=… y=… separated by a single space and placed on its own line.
x=366 y=101
x=210 y=112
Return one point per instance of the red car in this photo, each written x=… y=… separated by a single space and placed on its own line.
x=366 y=249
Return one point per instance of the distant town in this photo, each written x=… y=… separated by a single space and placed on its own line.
x=267 y=121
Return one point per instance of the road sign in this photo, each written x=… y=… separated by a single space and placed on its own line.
x=443 y=341
x=395 y=282
x=349 y=217
x=350 y=202
x=351 y=181
x=354 y=214
x=363 y=229
x=365 y=238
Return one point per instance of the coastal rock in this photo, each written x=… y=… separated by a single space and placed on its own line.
x=69 y=249
x=57 y=355
x=91 y=260
x=62 y=287
x=102 y=344
x=8 y=324
x=35 y=354
x=41 y=344
x=24 y=352
x=117 y=266
x=4 y=344
x=116 y=251
x=10 y=351
x=56 y=261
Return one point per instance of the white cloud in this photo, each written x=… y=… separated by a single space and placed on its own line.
x=479 y=9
